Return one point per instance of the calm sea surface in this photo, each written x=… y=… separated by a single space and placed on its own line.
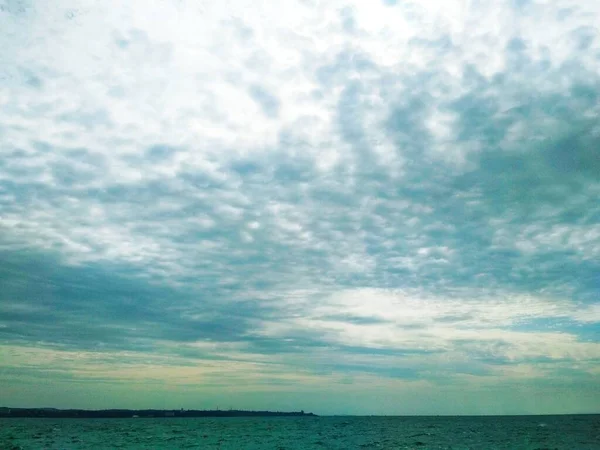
x=522 y=432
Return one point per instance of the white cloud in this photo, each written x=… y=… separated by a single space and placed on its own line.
x=327 y=159
x=470 y=332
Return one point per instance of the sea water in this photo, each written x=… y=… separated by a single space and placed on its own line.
x=492 y=432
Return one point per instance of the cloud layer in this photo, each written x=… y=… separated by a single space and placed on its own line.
x=308 y=197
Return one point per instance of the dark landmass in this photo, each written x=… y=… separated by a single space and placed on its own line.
x=139 y=413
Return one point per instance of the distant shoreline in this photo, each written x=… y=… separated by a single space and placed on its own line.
x=139 y=413
x=6 y=412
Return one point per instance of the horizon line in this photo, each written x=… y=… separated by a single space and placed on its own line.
x=309 y=412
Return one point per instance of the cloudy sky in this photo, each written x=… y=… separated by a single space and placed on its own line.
x=356 y=207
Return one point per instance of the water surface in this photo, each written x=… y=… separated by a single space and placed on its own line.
x=508 y=432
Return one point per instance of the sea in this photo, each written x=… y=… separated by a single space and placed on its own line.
x=286 y=433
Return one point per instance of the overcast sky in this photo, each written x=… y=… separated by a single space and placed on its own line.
x=356 y=207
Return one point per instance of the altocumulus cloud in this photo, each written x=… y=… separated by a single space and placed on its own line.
x=371 y=207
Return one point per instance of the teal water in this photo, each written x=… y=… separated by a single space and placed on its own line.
x=516 y=432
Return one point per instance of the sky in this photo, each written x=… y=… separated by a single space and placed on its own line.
x=345 y=207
